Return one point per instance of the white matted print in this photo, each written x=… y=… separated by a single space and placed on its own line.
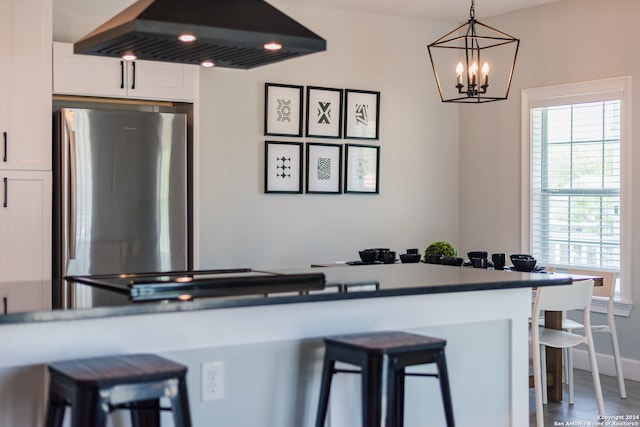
x=362 y=169
x=362 y=114
x=282 y=167
x=324 y=112
x=282 y=110
x=324 y=168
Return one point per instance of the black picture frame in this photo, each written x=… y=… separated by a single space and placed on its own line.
x=362 y=169
x=324 y=112
x=283 y=163
x=361 y=114
x=283 y=109
x=324 y=168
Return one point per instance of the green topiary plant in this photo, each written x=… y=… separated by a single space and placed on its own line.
x=441 y=248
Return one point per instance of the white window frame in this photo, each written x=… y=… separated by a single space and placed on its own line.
x=586 y=91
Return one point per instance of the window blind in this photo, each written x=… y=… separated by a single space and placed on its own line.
x=576 y=183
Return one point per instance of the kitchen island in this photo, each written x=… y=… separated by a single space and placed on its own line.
x=271 y=347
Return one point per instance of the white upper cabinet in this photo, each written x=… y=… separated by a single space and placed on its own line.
x=91 y=75
x=25 y=84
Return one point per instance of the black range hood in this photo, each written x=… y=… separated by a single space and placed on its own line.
x=230 y=33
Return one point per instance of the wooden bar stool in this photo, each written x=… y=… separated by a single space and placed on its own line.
x=95 y=387
x=380 y=354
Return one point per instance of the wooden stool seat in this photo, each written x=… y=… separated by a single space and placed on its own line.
x=95 y=387
x=369 y=351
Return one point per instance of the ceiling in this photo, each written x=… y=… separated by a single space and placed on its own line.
x=453 y=10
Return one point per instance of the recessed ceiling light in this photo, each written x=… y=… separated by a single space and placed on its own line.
x=272 y=46
x=129 y=57
x=187 y=38
x=207 y=64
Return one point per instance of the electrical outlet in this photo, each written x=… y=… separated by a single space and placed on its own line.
x=212 y=381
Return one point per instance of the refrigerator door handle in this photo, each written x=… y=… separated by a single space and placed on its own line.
x=72 y=195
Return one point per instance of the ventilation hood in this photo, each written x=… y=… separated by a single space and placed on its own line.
x=229 y=33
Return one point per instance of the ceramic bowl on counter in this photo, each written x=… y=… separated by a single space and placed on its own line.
x=410 y=258
x=524 y=264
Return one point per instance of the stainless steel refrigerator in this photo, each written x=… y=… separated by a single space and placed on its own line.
x=120 y=195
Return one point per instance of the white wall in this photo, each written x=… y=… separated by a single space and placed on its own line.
x=568 y=41
x=418 y=201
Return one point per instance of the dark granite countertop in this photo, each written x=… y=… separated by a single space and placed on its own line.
x=341 y=283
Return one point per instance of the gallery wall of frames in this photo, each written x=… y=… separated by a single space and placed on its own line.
x=295 y=167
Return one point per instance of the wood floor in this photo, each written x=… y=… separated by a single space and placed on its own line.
x=584 y=411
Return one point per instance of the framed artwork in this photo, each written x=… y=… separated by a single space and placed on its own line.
x=362 y=172
x=324 y=168
x=362 y=114
x=282 y=110
x=282 y=167
x=324 y=112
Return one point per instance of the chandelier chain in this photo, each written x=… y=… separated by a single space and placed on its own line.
x=472 y=10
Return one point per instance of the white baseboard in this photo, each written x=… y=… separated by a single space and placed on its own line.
x=606 y=365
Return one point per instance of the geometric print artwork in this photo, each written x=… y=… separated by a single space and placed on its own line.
x=283 y=167
x=362 y=169
x=283 y=109
x=324 y=168
x=330 y=113
x=324 y=112
x=362 y=114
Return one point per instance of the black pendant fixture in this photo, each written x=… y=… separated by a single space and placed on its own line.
x=465 y=58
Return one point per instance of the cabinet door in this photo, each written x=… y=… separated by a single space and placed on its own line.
x=161 y=80
x=87 y=74
x=25 y=225
x=28 y=94
x=27 y=296
x=111 y=77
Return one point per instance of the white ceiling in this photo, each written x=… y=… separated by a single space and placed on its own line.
x=454 y=10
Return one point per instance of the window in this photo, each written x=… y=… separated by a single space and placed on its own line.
x=574 y=200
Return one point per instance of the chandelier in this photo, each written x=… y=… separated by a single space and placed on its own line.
x=464 y=58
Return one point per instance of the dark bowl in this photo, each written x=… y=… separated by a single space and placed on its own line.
x=409 y=258
x=522 y=264
x=368 y=256
x=477 y=254
x=389 y=257
x=381 y=252
x=451 y=261
x=521 y=256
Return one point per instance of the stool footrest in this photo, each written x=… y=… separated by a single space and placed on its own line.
x=347 y=371
x=418 y=374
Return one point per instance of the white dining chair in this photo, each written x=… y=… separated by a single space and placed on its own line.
x=605 y=291
x=576 y=296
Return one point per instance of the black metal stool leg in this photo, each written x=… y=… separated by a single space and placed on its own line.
x=145 y=413
x=444 y=387
x=180 y=403
x=89 y=410
x=325 y=388
x=399 y=397
x=372 y=392
x=55 y=411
